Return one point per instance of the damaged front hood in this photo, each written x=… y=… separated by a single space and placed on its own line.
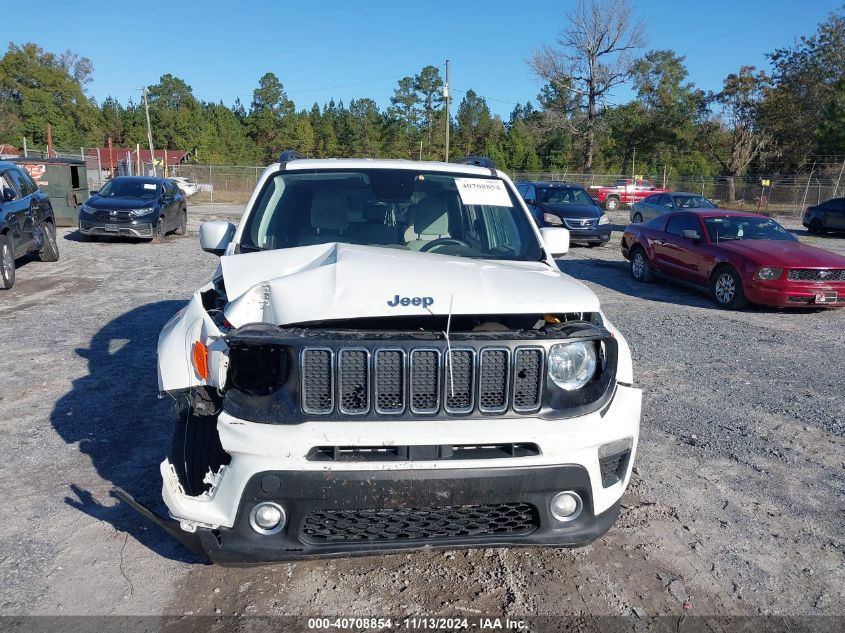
x=334 y=281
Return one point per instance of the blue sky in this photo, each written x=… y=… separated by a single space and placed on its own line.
x=349 y=50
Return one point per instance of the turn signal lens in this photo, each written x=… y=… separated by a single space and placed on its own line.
x=200 y=357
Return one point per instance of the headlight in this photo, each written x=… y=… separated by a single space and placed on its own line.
x=86 y=208
x=768 y=273
x=604 y=219
x=572 y=365
x=137 y=212
x=550 y=218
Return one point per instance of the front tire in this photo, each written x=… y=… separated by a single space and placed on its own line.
x=158 y=232
x=611 y=203
x=183 y=224
x=7 y=263
x=640 y=266
x=50 y=249
x=817 y=227
x=726 y=289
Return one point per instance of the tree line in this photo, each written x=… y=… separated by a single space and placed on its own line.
x=758 y=122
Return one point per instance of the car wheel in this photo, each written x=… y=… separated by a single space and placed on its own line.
x=594 y=244
x=638 y=218
x=612 y=203
x=726 y=289
x=7 y=263
x=49 y=249
x=817 y=227
x=196 y=449
x=640 y=266
x=158 y=232
x=183 y=224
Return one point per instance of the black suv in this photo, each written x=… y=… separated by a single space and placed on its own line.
x=27 y=223
x=135 y=206
x=824 y=217
x=568 y=205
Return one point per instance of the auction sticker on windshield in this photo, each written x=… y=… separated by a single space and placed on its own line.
x=483 y=191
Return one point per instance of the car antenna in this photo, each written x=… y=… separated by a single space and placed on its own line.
x=449 y=347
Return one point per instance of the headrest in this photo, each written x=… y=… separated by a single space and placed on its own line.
x=430 y=216
x=375 y=212
x=328 y=211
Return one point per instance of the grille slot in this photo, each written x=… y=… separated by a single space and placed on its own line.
x=460 y=390
x=390 y=381
x=317 y=383
x=419 y=524
x=811 y=274
x=527 y=379
x=493 y=381
x=353 y=380
x=425 y=381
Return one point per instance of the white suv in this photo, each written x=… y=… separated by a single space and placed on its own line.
x=388 y=357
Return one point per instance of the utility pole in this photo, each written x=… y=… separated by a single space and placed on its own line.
x=149 y=131
x=836 y=190
x=634 y=166
x=446 y=93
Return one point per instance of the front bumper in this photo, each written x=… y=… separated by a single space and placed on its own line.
x=271 y=463
x=793 y=294
x=133 y=228
x=598 y=234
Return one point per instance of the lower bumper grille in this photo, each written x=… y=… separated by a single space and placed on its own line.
x=420 y=524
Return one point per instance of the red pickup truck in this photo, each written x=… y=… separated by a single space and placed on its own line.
x=625 y=191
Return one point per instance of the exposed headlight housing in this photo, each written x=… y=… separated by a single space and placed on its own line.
x=572 y=365
x=604 y=219
x=768 y=274
x=86 y=208
x=551 y=218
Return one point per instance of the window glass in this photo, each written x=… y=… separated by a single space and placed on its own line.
x=692 y=202
x=21 y=182
x=677 y=224
x=565 y=195
x=129 y=187
x=402 y=209
x=725 y=228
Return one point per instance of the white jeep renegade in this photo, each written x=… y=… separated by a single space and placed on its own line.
x=387 y=358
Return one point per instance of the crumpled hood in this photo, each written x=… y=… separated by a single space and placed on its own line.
x=343 y=281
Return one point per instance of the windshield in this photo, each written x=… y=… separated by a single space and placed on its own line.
x=565 y=195
x=745 y=228
x=129 y=188
x=449 y=214
x=692 y=202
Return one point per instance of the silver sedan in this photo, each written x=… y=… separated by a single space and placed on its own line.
x=660 y=203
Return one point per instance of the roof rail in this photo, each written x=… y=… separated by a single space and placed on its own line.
x=480 y=161
x=289 y=155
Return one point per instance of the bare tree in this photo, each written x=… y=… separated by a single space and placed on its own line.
x=593 y=54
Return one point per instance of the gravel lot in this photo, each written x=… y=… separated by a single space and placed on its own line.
x=735 y=507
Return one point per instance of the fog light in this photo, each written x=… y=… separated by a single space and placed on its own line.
x=566 y=506
x=267 y=518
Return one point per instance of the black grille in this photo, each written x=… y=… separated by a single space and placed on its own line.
x=353 y=381
x=425 y=379
x=391 y=381
x=317 y=385
x=120 y=216
x=493 y=382
x=527 y=374
x=420 y=524
x=811 y=274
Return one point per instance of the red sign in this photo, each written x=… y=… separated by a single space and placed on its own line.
x=36 y=171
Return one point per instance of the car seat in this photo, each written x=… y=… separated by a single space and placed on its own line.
x=429 y=221
x=328 y=219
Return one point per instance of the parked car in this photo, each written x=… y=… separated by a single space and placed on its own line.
x=27 y=222
x=135 y=206
x=740 y=257
x=660 y=203
x=625 y=191
x=567 y=205
x=824 y=217
x=187 y=188
x=388 y=357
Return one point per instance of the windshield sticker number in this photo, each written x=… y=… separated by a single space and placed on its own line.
x=150 y=185
x=483 y=191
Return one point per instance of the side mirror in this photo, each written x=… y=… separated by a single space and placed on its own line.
x=530 y=202
x=691 y=234
x=556 y=240
x=215 y=236
x=9 y=194
x=93 y=192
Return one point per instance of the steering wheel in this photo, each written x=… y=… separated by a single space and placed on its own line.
x=444 y=241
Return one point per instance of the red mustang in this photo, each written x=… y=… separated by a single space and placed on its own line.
x=740 y=257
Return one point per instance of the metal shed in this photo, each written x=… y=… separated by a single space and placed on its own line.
x=64 y=180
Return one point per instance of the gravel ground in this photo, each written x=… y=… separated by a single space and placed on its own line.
x=735 y=506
